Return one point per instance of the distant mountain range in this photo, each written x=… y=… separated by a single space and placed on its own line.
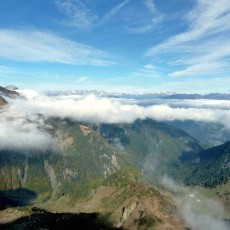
x=141 y=95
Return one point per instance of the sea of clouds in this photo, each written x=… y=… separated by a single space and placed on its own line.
x=24 y=126
x=23 y=120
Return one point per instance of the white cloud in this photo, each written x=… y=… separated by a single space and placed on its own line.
x=150 y=5
x=90 y=108
x=23 y=120
x=198 y=69
x=149 y=66
x=24 y=131
x=198 y=219
x=198 y=211
x=205 y=41
x=147 y=71
x=114 y=11
x=38 y=46
x=77 y=14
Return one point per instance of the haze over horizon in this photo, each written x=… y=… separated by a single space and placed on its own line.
x=179 y=46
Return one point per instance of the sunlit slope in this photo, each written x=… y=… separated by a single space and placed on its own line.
x=120 y=202
x=79 y=159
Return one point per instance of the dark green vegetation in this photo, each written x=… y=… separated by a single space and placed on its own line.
x=212 y=167
x=153 y=147
x=157 y=149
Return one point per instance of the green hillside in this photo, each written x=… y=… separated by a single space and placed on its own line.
x=80 y=160
x=153 y=147
x=212 y=167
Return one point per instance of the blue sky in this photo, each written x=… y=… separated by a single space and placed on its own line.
x=125 y=45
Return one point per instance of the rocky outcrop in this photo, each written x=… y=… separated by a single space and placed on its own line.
x=8 y=93
x=23 y=175
x=52 y=178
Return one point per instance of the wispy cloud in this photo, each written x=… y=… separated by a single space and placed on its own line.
x=76 y=14
x=146 y=71
x=205 y=43
x=146 y=22
x=114 y=11
x=199 y=69
x=38 y=46
x=150 y=5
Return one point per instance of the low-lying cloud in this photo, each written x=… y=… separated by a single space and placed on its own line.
x=23 y=120
x=198 y=211
x=94 y=109
x=24 y=131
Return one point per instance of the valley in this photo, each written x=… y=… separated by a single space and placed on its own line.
x=146 y=174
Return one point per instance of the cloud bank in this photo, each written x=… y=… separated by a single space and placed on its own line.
x=24 y=131
x=91 y=108
x=23 y=121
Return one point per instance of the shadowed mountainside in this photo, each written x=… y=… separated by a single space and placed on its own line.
x=212 y=167
x=2 y=101
x=8 y=92
x=16 y=197
x=41 y=219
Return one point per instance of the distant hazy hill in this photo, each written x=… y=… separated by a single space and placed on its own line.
x=211 y=134
x=212 y=167
x=141 y=95
x=215 y=96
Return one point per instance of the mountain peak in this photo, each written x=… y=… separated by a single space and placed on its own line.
x=8 y=92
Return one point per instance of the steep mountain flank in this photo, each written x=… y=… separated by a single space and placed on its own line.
x=154 y=147
x=79 y=160
x=122 y=201
x=212 y=167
